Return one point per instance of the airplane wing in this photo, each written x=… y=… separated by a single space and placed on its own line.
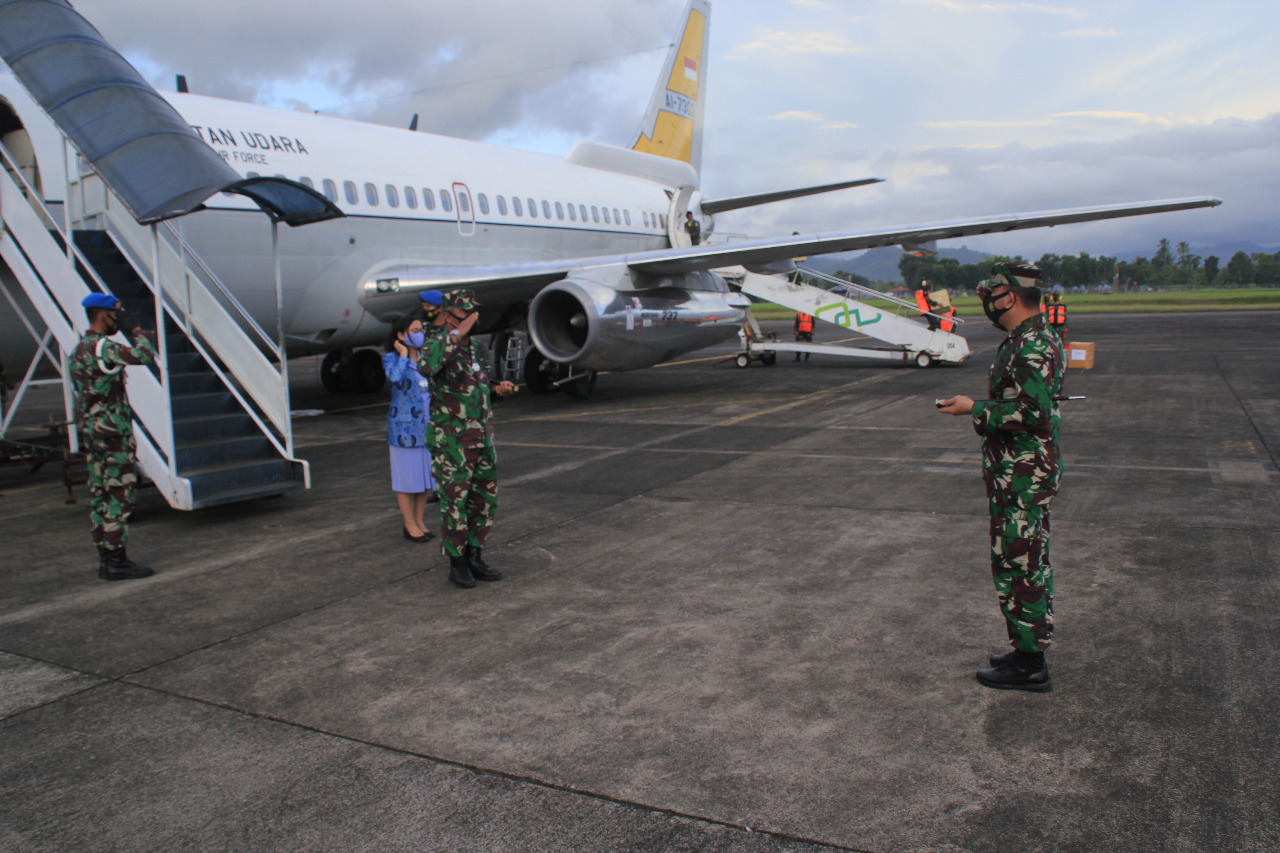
x=522 y=281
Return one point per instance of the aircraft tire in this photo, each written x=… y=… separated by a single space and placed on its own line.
x=768 y=359
x=535 y=379
x=923 y=359
x=335 y=374
x=367 y=375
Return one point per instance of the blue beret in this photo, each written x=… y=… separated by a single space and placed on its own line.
x=432 y=297
x=100 y=300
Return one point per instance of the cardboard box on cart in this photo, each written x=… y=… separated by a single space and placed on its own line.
x=1080 y=355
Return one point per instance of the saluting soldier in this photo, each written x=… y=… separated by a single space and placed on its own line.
x=1021 y=468
x=106 y=424
x=460 y=436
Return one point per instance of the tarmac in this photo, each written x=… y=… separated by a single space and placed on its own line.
x=742 y=612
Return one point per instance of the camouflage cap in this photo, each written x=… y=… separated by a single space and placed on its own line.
x=463 y=299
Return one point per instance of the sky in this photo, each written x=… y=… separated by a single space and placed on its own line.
x=965 y=107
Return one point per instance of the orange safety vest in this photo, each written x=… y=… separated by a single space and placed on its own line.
x=948 y=324
x=1058 y=314
x=922 y=301
x=804 y=322
x=1041 y=306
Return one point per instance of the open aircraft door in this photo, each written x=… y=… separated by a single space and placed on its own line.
x=466 y=209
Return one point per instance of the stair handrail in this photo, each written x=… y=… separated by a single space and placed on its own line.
x=248 y=364
x=872 y=292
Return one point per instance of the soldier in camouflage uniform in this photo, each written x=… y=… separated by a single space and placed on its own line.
x=460 y=436
x=1021 y=469
x=106 y=423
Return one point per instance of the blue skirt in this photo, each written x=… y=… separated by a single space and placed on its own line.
x=411 y=470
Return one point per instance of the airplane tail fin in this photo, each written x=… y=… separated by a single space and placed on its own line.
x=673 y=125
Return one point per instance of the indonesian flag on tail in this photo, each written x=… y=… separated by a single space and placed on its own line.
x=690 y=69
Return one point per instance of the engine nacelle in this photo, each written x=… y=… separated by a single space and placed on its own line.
x=596 y=326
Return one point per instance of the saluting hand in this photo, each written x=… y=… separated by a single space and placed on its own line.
x=505 y=388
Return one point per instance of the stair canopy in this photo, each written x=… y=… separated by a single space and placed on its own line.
x=133 y=138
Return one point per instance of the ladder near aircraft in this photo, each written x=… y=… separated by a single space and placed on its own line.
x=908 y=340
x=211 y=418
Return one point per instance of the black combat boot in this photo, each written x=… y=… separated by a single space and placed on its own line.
x=460 y=572
x=102 y=562
x=118 y=567
x=479 y=568
x=1021 y=671
x=1000 y=658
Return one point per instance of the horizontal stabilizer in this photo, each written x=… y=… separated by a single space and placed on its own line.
x=712 y=206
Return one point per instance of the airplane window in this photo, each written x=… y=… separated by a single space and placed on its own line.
x=617 y=217
x=349 y=188
x=515 y=206
x=305 y=181
x=546 y=210
x=606 y=215
x=483 y=202
x=371 y=194
x=573 y=217
x=428 y=199
x=582 y=209
x=393 y=197
x=446 y=201
x=533 y=209
x=464 y=202
x=330 y=189
x=595 y=214
x=411 y=198
x=559 y=211
x=502 y=205
x=645 y=214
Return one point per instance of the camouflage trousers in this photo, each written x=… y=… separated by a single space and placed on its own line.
x=1022 y=572
x=113 y=482
x=467 y=482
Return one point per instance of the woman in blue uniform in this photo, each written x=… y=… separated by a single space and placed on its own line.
x=411 y=478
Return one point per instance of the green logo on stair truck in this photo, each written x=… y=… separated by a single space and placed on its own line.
x=843 y=317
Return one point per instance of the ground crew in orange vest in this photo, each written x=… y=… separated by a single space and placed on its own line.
x=804 y=330
x=926 y=306
x=949 y=320
x=1058 y=317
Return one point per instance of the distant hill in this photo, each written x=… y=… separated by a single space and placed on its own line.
x=882 y=264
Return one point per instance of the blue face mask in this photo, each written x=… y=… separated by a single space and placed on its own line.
x=415 y=340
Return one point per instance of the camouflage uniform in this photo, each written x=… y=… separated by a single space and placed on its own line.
x=1021 y=468
x=97 y=371
x=460 y=437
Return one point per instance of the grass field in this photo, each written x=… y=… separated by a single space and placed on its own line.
x=1243 y=299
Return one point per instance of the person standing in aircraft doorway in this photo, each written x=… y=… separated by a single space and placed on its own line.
x=460 y=435
x=411 y=478
x=692 y=228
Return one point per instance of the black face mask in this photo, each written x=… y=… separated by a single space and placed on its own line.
x=989 y=308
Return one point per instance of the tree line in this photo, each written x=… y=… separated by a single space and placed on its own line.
x=1171 y=267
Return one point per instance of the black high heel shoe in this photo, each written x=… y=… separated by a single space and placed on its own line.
x=425 y=537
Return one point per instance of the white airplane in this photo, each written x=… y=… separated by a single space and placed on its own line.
x=587 y=254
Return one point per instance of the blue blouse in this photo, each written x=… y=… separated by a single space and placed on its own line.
x=410 y=402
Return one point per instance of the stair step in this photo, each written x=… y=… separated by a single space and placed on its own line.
x=194 y=383
x=230 y=425
x=209 y=403
x=193 y=455
x=229 y=484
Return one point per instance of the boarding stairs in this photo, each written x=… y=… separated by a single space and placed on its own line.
x=850 y=306
x=212 y=417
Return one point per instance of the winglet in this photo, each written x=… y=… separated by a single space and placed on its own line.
x=673 y=125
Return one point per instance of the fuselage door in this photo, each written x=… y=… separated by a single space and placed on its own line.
x=466 y=209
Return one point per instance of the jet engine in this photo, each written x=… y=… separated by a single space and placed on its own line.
x=596 y=325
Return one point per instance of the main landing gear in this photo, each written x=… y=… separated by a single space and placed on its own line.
x=543 y=376
x=344 y=371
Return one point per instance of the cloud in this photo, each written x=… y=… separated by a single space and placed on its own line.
x=796 y=115
x=1096 y=32
x=771 y=42
x=986 y=8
